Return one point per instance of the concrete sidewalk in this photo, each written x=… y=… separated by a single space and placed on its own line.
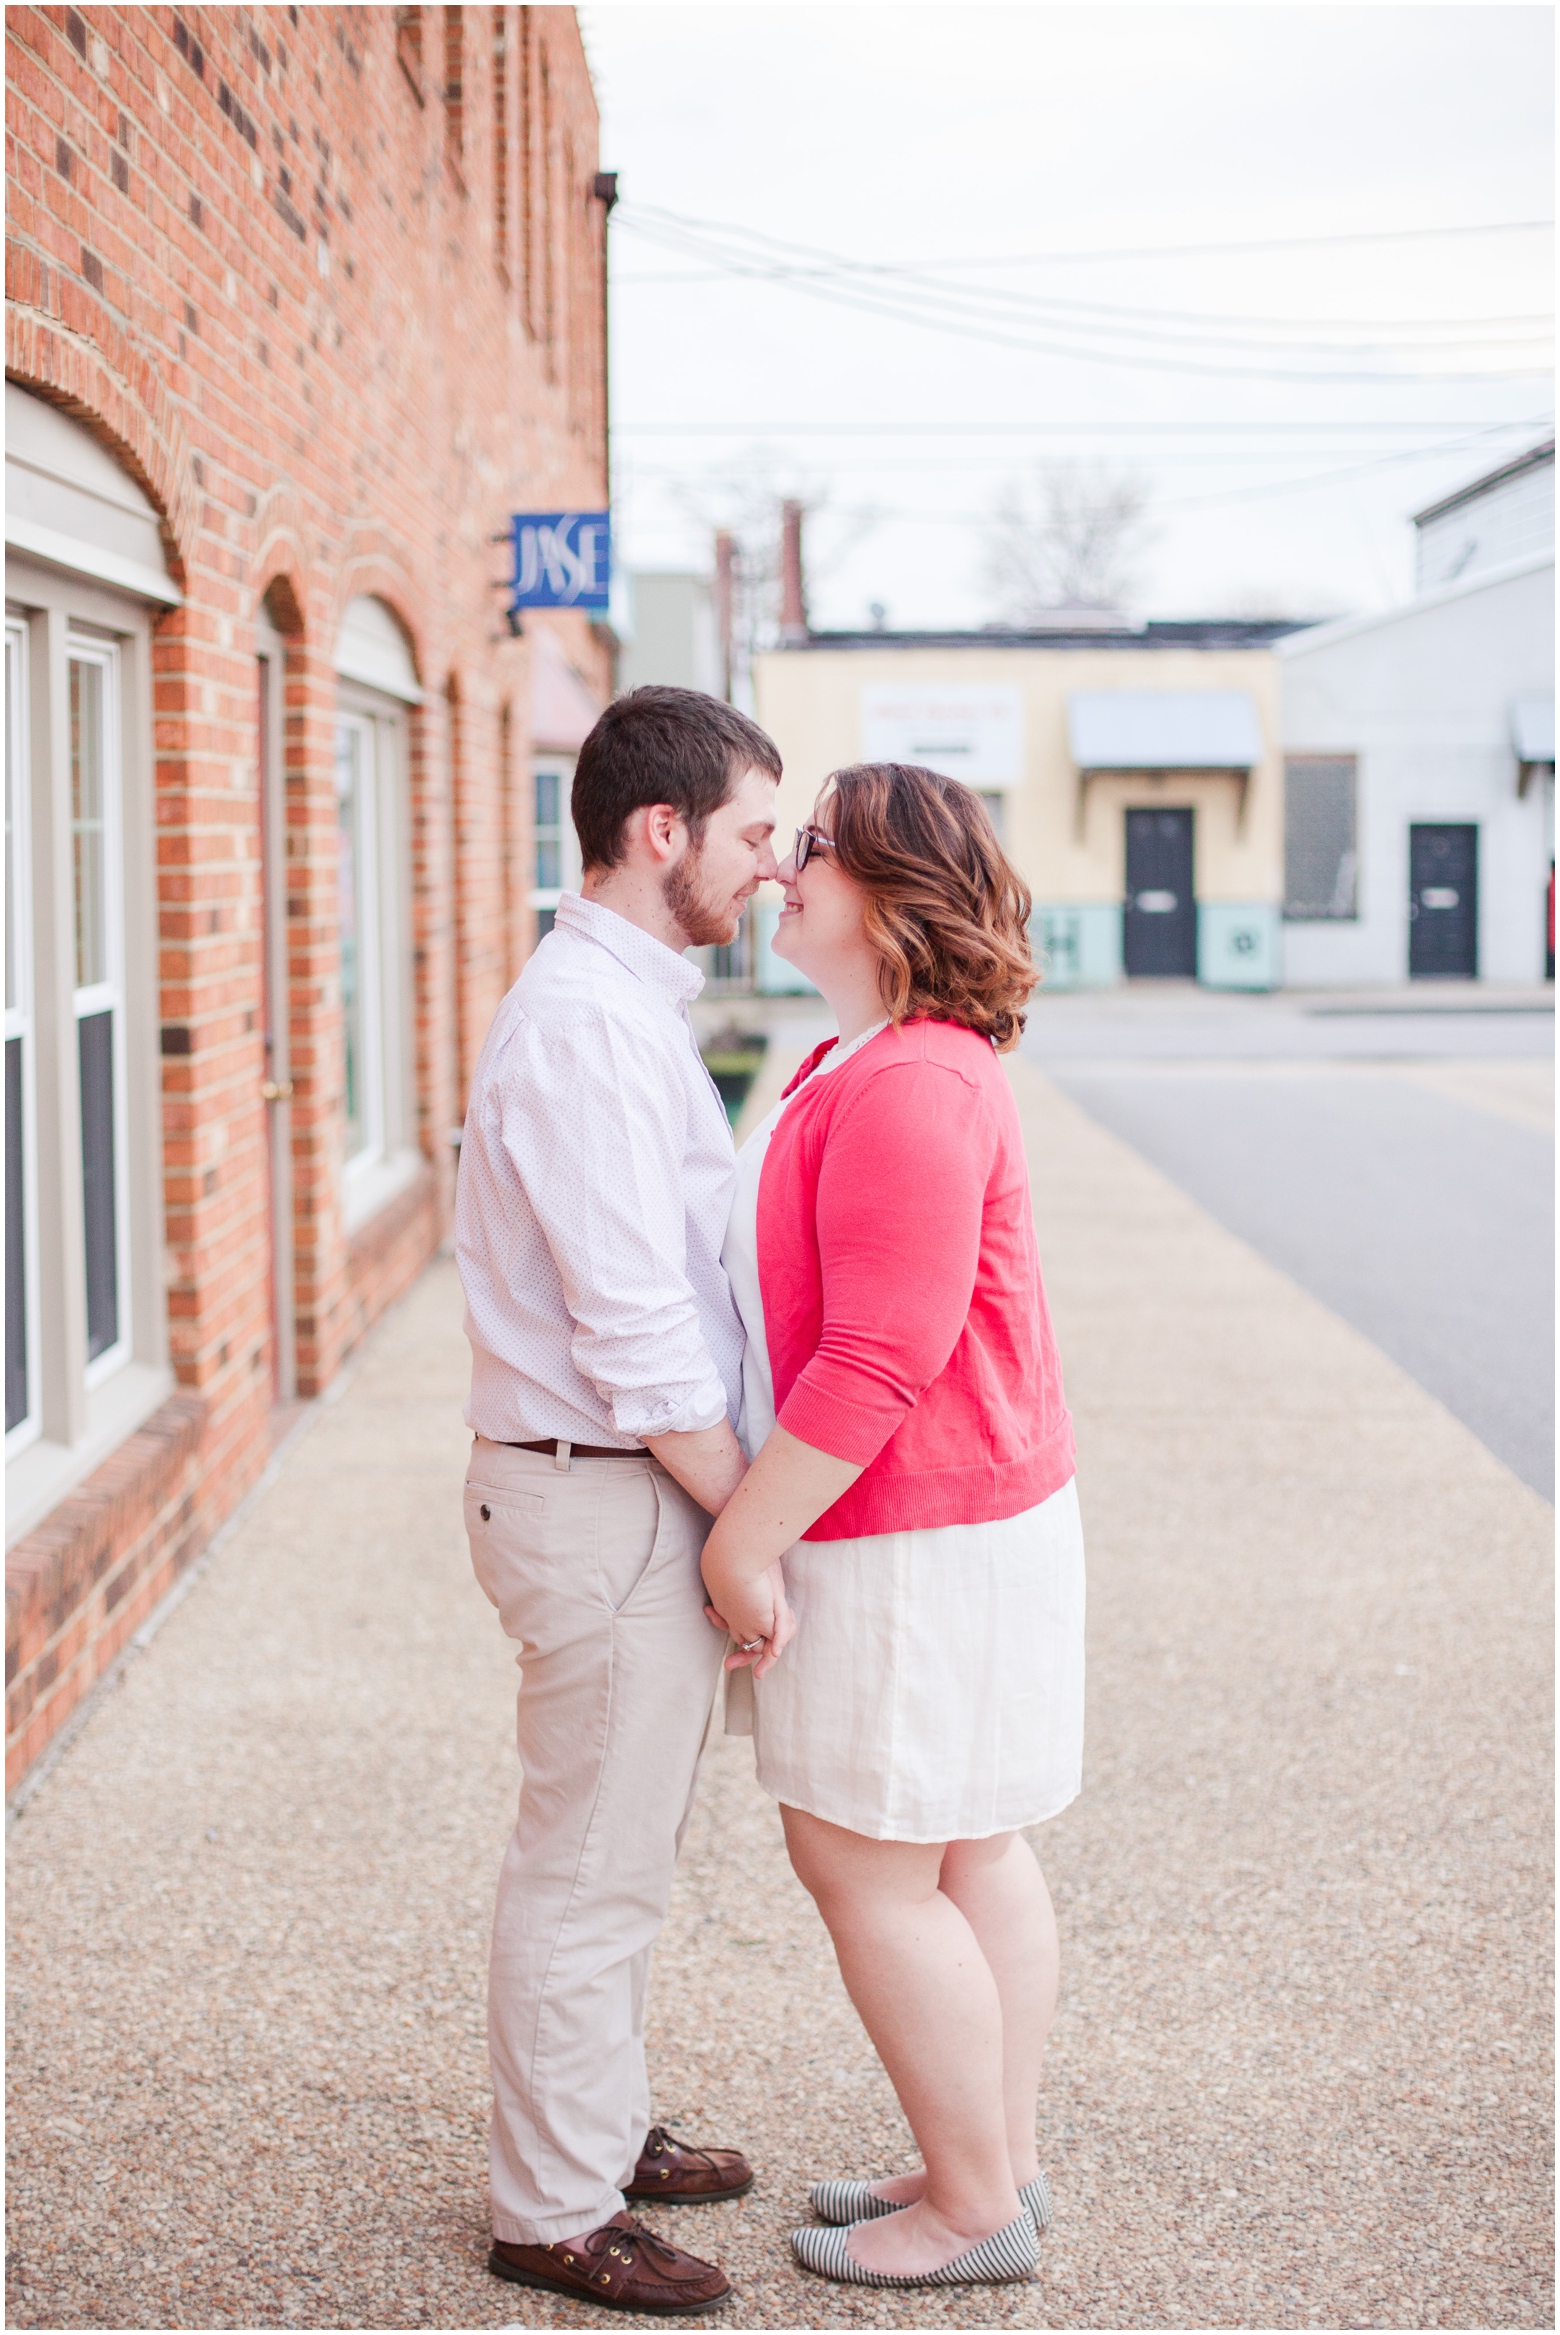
x=1299 y=2076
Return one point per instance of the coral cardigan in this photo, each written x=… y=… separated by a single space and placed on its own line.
x=906 y=1321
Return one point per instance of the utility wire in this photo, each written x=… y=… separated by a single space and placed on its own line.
x=1182 y=315
x=1453 y=333
x=1051 y=304
x=1242 y=494
x=1150 y=430
x=883 y=429
x=1109 y=252
x=910 y=299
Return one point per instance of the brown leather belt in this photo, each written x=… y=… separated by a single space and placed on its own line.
x=581 y=1450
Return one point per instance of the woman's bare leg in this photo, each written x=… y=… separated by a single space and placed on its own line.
x=998 y=1886
x=915 y=1971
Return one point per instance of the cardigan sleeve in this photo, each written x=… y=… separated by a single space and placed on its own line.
x=901 y=1191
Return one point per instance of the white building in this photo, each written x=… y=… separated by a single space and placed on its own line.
x=1419 y=757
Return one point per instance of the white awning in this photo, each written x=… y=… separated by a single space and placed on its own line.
x=1533 y=728
x=371 y=648
x=1152 y=729
x=69 y=502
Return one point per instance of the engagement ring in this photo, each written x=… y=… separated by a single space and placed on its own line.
x=752 y=1646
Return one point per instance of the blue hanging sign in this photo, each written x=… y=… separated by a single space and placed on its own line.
x=563 y=559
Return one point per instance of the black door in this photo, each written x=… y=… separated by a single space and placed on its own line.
x=1443 y=903
x=1160 y=930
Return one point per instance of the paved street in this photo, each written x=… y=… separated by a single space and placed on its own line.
x=1396 y=1158
x=1300 y=2076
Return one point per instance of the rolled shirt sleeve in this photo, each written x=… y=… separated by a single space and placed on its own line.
x=901 y=1194
x=602 y=1168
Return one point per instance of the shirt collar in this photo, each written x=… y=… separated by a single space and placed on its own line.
x=649 y=960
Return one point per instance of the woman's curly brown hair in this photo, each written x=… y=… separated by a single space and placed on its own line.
x=945 y=911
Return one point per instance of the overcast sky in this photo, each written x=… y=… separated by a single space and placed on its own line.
x=976 y=146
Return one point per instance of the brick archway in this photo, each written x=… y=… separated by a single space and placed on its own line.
x=62 y=343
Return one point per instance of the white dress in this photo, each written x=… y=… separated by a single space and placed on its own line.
x=934 y=1688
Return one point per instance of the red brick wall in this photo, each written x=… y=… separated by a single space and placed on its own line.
x=83 y=1582
x=302 y=291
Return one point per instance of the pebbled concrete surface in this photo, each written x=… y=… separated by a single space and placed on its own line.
x=1300 y=2075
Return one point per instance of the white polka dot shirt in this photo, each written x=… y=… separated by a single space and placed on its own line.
x=596 y=1172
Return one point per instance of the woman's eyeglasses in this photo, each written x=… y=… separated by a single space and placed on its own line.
x=808 y=840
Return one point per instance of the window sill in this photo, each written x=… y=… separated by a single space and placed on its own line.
x=40 y=1477
x=374 y=1186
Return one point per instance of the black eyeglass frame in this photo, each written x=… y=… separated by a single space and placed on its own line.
x=808 y=840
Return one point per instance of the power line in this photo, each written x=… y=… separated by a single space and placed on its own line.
x=1054 y=304
x=881 y=429
x=1452 y=333
x=1223 y=495
x=1115 y=251
x=939 y=309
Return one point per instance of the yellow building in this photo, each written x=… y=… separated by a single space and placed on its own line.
x=1135 y=775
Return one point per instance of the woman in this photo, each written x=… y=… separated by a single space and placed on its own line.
x=915 y=1473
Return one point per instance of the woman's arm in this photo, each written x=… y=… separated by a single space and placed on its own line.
x=787 y=1488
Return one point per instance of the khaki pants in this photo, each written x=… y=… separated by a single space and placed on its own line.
x=594 y=1569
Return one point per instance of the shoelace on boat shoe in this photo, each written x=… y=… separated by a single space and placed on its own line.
x=665 y=2141
x=620 y=2241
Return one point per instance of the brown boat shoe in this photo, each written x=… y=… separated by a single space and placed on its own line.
x=673 y=2173
x=622 y=2266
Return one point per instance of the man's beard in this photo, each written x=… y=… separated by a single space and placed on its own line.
x=702 y=918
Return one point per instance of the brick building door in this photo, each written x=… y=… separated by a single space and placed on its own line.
x=276 y=1087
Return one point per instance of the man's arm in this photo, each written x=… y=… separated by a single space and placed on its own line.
x=708 y=1462
x=597 y=1134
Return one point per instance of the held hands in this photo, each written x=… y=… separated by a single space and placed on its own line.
x=787 y=1488
x=748 y=1606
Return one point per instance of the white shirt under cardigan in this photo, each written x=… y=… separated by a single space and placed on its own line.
x=596 y=1172
x=934 y=1688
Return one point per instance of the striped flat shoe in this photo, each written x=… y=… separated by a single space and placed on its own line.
x=844 y=2201
x=1011 y=2254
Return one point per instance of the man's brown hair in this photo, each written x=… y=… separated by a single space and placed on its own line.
x=662 y=745
x=946 y=911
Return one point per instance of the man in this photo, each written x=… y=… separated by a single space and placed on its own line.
x=595 y=1179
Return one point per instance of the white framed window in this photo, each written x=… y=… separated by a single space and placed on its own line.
x=86 y=1313
x=357 y=884
x=555 y=850
x=97 y=869
x=23 y=1409
x=84 y=1151
x=372 y=876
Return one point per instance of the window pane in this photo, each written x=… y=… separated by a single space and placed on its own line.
x=350 y=877
x=549 y=866
x=87 y=798
x=96 y=1040
x=546 y=798
x=16 y=1404
x=12 y=782
x=1320 y=857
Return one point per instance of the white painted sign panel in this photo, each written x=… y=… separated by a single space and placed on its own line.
x=965 y=729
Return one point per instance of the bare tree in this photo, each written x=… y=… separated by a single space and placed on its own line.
x=1072 y=536
x=743 y=498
